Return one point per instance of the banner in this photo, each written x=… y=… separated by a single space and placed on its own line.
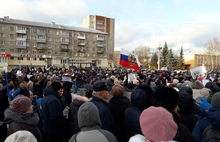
x=128 y=60
x=196 y=72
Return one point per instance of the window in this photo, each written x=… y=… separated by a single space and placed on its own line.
x=11 y=28
x=56 y=53
x=56 y=46
x=20 y=58
x=11 y=50
x=11 y=58
x=3 y=27
x=50 y=46
x=56 y=32
x=100 y=22
x=21 y=43
x=49 y=38
x=3 y=35
x=28 y=58
x=57 y=40
x=34 y=37
x=34 y=52
x=11 y=36
x=41 y=37
x=34 y=45
x=49 y=52
x=3 y=42
x=48 y=31
x=3 y=60
x=2 y=50
x=34 y=59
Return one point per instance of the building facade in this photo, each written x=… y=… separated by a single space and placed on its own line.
x=103 y=24
x=199 y=58
x=29 y=43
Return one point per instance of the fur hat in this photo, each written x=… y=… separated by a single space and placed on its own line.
x=165 y=97
x=21 y=136
x=216 y=100
x=157 y=124
x=56 y=86
x=215 y=87
x=20 y=104
x=198 y=85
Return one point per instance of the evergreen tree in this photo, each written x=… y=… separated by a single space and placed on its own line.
x=170 y=59
x=154 y=60
x=180 y=61
x=164 y=55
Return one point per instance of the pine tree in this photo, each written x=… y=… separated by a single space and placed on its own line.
x=153 y=60
x=164 y=55
x=170 y=58
x=180 y=61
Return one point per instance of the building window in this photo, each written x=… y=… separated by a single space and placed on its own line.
x=11 y=58
x=3 y=42
x=11 y=50
x=49 y=52
x=11 y=28
x=20 y=58
x=11 y=36
x=34 y=59
x=56 y=32
x=41 y=59
x=3 y=27
x=34 y=45
x=57 y=40
x=56 y=46
x=49 y=39
x=34 y=52
x=48 y=31
x=3 y=35
x=28 y=58
x=2 y=50
x=50 y=46
x=34 y=37
x=3 y=60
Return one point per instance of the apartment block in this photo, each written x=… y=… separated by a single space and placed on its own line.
x=33 y=43
x=103 y=24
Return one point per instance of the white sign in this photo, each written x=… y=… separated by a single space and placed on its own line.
x=196 y=72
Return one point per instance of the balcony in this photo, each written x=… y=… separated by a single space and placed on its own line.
x=100 y=51
x=81 y=43
x=65 y=35
x=41 y=40
x=21 y=38
x=63 y=49
x=40 y=48
x=65 y=42
x=21 y=31
x=81 y=37
x=21 y=46
x=41 y=32
x=100 y=38
x=100 y=44
x=82 y=50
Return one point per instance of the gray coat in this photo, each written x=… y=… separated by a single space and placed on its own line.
x=90 y=126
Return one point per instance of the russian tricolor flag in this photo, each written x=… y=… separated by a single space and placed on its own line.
x=129 y=60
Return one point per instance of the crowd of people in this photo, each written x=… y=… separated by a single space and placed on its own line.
x=102 y=105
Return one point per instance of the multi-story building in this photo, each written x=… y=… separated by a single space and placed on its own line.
x=103 y=24
x=37 y=44
x=199 y=58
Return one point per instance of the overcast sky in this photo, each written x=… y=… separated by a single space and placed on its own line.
x=187 y=23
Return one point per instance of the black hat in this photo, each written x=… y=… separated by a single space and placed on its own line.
x=100 y=85
x=56 y=86
x=215 y=87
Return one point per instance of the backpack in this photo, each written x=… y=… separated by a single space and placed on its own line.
x=211 y=134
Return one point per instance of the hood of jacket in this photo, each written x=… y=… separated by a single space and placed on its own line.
x=88 y=117
x=141 y=96
x=49 y=91
x=213 y=116
x=30 y=119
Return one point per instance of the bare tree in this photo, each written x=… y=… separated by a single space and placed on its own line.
x=143 y=53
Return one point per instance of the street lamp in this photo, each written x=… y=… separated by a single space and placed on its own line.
x=158 y=62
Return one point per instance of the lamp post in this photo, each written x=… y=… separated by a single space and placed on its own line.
x=158 y=52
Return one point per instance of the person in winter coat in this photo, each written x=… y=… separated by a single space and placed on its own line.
x=90 y=126
x=168 y=98
x=140 y=100
x=212 y=117
x=157 y=124
x=100 y=97
x=20 y=116
x=67 y=86
x=117 y=105
x=186 y=105
x=54 y=121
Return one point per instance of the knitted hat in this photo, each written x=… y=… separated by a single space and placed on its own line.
x=157 y=124
x=175 y=81
x=215 y=87
x=187 y=89
x=20 y=104
x=204 y=92
x=216 y=100
x=56 y=86
x=198 y=85
x=165 y=97
x=208 y=84
x=21 y=136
